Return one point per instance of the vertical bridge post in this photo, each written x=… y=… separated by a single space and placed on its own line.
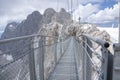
x=32 y=61
x=41 y=58
x=84 y=58
x=36 y=59
x=61 y=46
x=104 y=63
x=55 y=47
x=116 y=66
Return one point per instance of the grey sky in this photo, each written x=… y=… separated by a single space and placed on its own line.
x=18 y=9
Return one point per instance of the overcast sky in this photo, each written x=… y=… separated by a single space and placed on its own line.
x=93 y=11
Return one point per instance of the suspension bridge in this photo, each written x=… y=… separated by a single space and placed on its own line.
x=66 y=58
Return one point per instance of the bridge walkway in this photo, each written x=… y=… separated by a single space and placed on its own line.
x=66 y=67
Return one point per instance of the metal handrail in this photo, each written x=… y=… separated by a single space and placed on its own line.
x=22 y=37
x=97 y=40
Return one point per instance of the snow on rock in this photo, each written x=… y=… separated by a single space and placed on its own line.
x=91 y=29
x=113 y=32
x=94 y=31
x=8 y=57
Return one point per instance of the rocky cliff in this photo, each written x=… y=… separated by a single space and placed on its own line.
x=29 y=26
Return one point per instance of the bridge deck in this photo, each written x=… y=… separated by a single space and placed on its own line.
x=66 y=68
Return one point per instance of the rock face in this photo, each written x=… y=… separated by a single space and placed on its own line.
x=26 y=27
x=31 y=25
x=62 y=17
x=48 y=14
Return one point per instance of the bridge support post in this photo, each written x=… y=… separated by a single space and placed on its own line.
x=84 y=59
x=41 y=58
x=36 y=59
x=32 y=62
x=116 y=65
x=61 y=46
x=55 y=47
x=104 y=63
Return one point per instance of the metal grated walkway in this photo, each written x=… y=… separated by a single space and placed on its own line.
x=66 y=68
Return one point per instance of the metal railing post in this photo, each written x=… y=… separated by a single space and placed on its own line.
x=41 y=58
x=32 y=62
x=61 y=45
x=88 y=62
x=104 y=63
x=116 y=64
x=36 y=59
x=84 y=58
x=55 y=54
x=110 y=66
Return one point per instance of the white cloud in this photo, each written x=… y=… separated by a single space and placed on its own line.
x=92 y=14
x=84 y=11
x=106 y=15
x=90 y=1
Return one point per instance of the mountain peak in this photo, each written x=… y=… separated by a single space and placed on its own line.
x=48 y=14
x=35 y=14
x=49 y=11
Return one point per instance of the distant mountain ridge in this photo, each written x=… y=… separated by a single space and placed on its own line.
x=34 y=22
x=26 y=27
x=31 y=25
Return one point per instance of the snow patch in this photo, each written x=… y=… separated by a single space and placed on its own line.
x=8 y=57
x=10 y=25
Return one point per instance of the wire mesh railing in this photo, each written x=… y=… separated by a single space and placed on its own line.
x=92 y=58
x=14 y=58
x=31 y=57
